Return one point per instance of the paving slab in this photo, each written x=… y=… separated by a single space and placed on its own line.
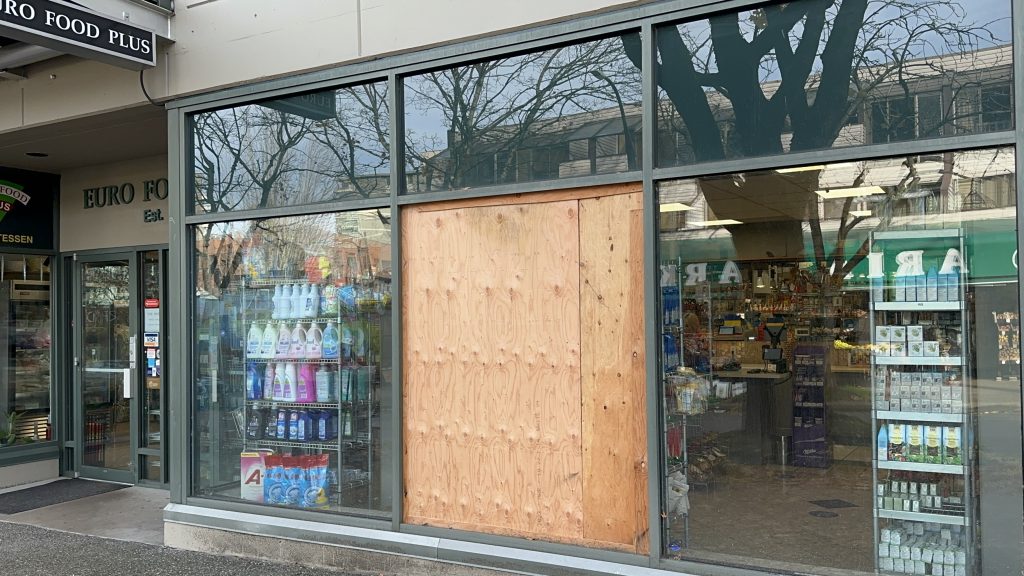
x=31 y=550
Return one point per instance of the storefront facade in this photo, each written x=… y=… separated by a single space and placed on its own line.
x=704 y=288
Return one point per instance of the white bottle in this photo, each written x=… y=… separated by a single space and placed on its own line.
x=279 y=382
x=290 y=375
x=312 y=301
x=323 y=385
x=269 y=344
x=284 y=342
x=276 y=300
x=254 y=341
x=297 y=350
x=297 y=301
x=314 y=342
x=284 y=307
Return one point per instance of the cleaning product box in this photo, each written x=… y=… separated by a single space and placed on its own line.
x=897 y=442
x=952 y=442
x=253 y=469
x=914 y=443
x=900 y=289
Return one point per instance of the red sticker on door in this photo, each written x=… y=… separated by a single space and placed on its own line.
x=151 y=303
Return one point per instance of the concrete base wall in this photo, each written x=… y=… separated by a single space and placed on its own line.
x=28 y=473
x=354 y=561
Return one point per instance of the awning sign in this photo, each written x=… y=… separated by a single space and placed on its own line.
x=75 y=30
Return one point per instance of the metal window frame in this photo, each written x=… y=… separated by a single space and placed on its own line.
x=393 y=69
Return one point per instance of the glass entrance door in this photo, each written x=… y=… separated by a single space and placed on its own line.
x=105 y=364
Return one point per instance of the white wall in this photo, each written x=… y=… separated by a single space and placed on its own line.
x=226 y=42
x=84 y=228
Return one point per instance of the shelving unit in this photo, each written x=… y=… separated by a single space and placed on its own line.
x=352 y=400
x=922 y=406
x=810 y=427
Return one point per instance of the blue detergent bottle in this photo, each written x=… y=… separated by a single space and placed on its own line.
x=254 y=384
x=332 y=341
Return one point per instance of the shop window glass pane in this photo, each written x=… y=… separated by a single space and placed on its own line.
x=292 y=352
x=25 y=345
x=319 y=147
x=841 y=368
x=812 y=75
x=466 y=125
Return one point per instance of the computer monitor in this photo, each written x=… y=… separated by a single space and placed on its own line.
x=771 y=354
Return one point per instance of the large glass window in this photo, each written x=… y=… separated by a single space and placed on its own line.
x=841 y=369
x=317 y=147
x=292 y=361
x=25 y=345
x=811 y=75
x=558 y=113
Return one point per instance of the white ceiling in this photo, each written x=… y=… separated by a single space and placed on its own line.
x=101 y=139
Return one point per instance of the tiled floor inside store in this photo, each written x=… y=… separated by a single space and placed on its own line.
x=785 y=518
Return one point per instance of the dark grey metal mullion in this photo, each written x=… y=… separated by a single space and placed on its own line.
x=135 y=344
x=1018 y=92
x=77 y=416
x=521 y=188
x=651 y=317
x=165 y=432
x=178 y=414
x=396 y=94
x=281 y=211
x=857 y=153
x=58 y=362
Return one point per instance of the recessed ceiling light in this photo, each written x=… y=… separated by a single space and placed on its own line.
x=726 y=222
x=850 y=192
x=674 y=207
x=800 y=169
x=37 y=154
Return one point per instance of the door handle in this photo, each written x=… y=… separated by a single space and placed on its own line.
x=126 y=378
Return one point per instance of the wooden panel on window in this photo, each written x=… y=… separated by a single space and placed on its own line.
x=614 y=398
x=493 y=408
x=491 y=394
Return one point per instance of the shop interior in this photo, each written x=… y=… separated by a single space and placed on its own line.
x=821 y=381
x=757 y=338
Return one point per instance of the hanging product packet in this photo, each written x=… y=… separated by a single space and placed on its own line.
x=315 y=494
x=293 y=480
x=273 y=480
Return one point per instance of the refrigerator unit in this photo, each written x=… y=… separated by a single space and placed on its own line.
x=25 y=345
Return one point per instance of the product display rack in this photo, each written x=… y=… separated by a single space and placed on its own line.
x=810 y=426
x=351 y=461
x=924 y=494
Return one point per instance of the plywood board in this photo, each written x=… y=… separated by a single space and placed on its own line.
x=613 y=368
x=491 y=380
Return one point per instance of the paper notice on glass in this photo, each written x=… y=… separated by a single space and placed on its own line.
x=151 y=320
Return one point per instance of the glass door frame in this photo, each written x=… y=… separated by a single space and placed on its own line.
x=74 y=415
x=130 y=475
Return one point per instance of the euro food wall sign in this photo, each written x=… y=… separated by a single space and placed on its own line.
x=76 y=30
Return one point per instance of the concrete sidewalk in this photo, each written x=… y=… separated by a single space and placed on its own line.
x=108 y=534
x=133 y=513
x=31 y=550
